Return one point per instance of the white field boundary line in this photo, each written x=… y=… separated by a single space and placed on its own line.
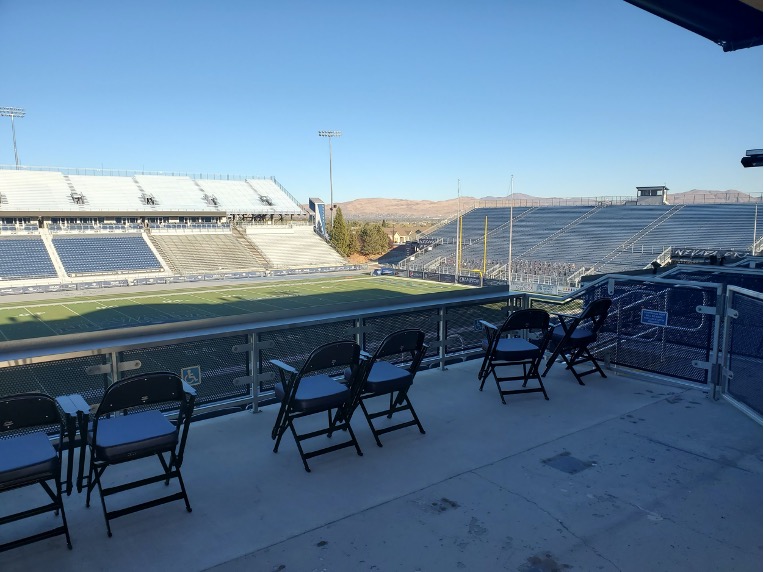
x=190 y=291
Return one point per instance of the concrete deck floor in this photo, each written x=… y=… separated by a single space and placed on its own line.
x=618 y=475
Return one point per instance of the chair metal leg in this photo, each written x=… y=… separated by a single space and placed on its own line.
x=60 y=502
x=371 y=425
x=183 y=490
x=98 y=474
x=278 y=435
x=299 y=447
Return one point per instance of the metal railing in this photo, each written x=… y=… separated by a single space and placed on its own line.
x=677 y=331
x=232 y=353
x=741 y=360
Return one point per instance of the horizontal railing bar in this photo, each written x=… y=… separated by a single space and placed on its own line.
x=26 y=352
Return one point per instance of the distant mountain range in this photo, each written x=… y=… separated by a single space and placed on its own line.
x=405 y=209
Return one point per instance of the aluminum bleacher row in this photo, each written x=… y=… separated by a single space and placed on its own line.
x=25 y=258
x=105 y=254
x=606 y=238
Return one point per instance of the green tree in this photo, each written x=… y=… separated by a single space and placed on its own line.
x=373 y=240
x=339 y=236
x=355 y=242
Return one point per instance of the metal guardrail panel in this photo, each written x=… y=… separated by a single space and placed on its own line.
x=742 y=351
x=685 y=348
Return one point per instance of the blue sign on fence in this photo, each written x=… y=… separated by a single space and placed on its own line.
x=192 y=375
x=654 y=317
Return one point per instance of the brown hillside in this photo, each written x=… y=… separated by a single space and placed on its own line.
x=413 y=210
x=377 y=209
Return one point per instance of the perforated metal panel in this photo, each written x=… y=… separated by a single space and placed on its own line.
x=60 y=377
x=744 y=351
x=674 y=350
x=379 y=327
x=294 y=345
x=463 y=332
x=219 y=365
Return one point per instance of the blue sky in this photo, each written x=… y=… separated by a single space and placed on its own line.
x=572 y=97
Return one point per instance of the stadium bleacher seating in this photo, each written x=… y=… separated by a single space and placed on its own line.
x=606 y=238
x=190 y=253
x=52 y=191
x=24 y=258
x=297 y=246
x=109 y=254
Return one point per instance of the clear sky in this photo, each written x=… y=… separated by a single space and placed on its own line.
x=572 y=97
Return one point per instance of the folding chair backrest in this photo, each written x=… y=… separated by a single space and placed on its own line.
x=409 y=342
x=530 y=319
x=334 y=355
x=596 y=311
x=140 y=390
x=27 y=410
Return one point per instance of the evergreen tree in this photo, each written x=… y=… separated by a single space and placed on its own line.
x=339 y=236
x=373 y=240
x=355 y=242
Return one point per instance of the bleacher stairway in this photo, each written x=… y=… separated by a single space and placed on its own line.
x=47 y=240
x=192 y=253
x=256 y=253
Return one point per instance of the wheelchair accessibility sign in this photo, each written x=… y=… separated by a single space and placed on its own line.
x=654 y=317
x=192 y=375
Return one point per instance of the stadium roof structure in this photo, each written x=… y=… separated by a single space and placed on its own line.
x=732 y=24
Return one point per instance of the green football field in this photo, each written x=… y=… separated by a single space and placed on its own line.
x=73 y=313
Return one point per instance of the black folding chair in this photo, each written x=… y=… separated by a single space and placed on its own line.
x=313 y=389
x=503 y=351
x=140 y=432
x=27 y=457
x=381 y=377
x=573 y=336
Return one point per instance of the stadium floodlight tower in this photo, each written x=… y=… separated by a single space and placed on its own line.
x=13 y=112
x=329 y=135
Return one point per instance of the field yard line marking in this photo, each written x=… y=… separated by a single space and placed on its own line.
x=114 y=308
x=206 y=301
x=144 y=306
x=80 y=315
x=42 y=322
x=163 y=312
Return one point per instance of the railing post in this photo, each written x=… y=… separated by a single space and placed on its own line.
x=442 y=335
x=254 y=361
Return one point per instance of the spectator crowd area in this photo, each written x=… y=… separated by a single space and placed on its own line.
x=561 y=242
x=60 y=228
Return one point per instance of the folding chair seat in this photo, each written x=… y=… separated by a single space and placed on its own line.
x=27 y=457
x=139 y=433
x=573 y=336
x=503 y=352
x=383 y=378
x=313 y=389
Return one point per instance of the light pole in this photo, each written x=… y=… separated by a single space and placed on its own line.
x=329 y=135
x=13 y=112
